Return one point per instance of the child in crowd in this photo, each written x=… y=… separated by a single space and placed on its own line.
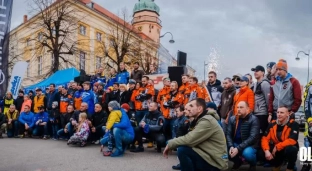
x=82 y=133
x=54 y=117
x=180 y=127
x=114 y=117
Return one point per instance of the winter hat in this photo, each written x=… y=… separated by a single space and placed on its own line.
x=282 y=64
x=125 y=106
x=55 y=103
x=244 y=78
x=132 y=81
x=270 y=65
x=211 y=105
x=114 y=105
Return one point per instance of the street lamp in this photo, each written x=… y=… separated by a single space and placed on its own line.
x=205 y=64
x=308 y=55
x=171 y=40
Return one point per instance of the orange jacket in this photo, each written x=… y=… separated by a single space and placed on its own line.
x=244 y=94
x=149 y=90
x=161 y=96
x=65 y=100
x=182 y=90
x=77 y=102
x=193 y=89
x=289 y=136
x=206 y=94
x=177 y=100
x=27 y=102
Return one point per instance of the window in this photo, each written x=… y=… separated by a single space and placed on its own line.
x=82 y=30
x=98 y=62
x=40 y=36
x=28 y=69
x=28 y=42
x=82 y=62
x=39 y=65
x=98 y=36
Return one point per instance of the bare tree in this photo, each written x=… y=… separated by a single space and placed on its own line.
x=58 y=24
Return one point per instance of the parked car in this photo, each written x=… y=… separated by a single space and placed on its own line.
x=300 y=118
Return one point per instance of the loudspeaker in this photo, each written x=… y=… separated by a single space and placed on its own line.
x=176 y=72
x=181 y=58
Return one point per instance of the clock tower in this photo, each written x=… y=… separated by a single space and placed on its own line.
x=146 y=19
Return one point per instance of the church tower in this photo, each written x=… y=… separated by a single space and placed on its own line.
x=146 y=19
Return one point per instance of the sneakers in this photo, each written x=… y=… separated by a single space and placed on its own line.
x=277 y=168
x=236 y=166
x=177 y=167
x=137 y=150
x=150 y=145
x=117 y=153
x=97 y=142
x=107 y=153
x=45 y=137
x=82 y=144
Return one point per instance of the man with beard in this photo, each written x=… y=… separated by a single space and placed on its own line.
x=113 y=95
x=162 y=93
x=137 y=74
x=242 y=137
x=194 y=90
x=72 y=89
x=226 y=104
x=214 y=87
x=184 y=86
x=64 y=118
x=171 y=101
x=65 y=100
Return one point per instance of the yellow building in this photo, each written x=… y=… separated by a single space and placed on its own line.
x=93 y=26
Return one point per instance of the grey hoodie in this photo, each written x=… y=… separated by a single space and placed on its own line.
x=262 y=93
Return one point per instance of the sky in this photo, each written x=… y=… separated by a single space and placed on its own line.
x=231 y=36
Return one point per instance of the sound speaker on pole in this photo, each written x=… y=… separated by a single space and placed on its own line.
x=181 y=58
x=176 y=72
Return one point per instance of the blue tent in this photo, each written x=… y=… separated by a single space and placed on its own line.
x=61 y=77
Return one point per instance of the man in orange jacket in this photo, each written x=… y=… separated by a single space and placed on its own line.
x=284 y=133
x=195 y=91
x=163 y=93
x=171 y=101
x=185 y=85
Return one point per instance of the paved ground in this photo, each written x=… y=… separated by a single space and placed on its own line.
x=48 y=155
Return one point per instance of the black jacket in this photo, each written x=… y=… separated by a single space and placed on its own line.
x=112 y=96
x=99 y=119
x=75 y=115
x=64 y=118
x=19 y=102
x=123 y=98
x=155 y=121
x=227 y=102
x=181 y=126
x=2 y=119
x=55 y=115
x=250 y=131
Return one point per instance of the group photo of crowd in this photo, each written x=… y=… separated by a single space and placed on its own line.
x=236 y=119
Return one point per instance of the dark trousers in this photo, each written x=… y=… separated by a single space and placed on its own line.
x=55 y=128
x=41 y=130
x=154 y=136
x=13 y=129
x=191 y=161
x=22 y=129
x=288 y=154
x=139 y=114
x=97 y=135
x=168 y=129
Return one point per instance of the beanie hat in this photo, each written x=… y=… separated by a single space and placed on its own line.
x=211 y=105
x=55 y=103
x=125 y=106
x=114 y=105
x=282 y=64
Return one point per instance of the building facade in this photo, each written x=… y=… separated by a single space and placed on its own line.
x=93 y=28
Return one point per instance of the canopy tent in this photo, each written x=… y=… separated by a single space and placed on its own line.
x=61 y=77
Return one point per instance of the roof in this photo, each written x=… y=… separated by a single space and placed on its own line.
x=144 y=5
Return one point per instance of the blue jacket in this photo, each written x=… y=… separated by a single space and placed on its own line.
x=111 y=81
x=51 y=97
x=27 y=118
x=98 y=79
x=90 y=98
x=123 y=77
x=44 y=116
x=125 y=124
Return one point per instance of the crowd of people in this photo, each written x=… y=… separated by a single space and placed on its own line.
x=237 y=120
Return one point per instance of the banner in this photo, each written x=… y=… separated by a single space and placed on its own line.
x=158 y=80
x=5 y=23
x=18 y=73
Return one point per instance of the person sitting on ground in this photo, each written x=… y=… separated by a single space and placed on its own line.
x=98 y=119
x=72 y=125
x=204 y=148
x=3 y=125
x=64 y=119
x=151 y=128
x=26 y=122
x=41 y=123
x=55 y=120
x=131 y=116
x=280 y=141
x=82 y=132
x=307 y=143
x=12 y=121
x=242 y=137
x=114 y=117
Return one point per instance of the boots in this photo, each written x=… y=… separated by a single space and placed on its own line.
x=1 y=134
x=277 y=168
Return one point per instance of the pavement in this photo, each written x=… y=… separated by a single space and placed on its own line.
x=48 y=155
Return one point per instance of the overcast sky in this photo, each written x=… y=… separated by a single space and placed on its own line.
x=234 y=35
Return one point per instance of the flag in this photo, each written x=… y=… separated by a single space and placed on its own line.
x=17 y=75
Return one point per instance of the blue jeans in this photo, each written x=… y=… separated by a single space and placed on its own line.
x=108 y=139
x=70 y=129
x=191 y=161
x=249 y=154
x=14 y=130
x=41 y=130
x=55 y=129
x=122 y=139
x=139 y=114
x=168 y=129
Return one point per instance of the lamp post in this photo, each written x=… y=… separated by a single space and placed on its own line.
x=308 y=55
x=171 y=40
x=205 y=64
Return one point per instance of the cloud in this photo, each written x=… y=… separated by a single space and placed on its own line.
x=244 y=33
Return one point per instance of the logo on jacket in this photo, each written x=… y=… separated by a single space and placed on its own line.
x=285 y=86
x=85 y=94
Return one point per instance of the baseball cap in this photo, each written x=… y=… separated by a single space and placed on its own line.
x=132 y=81
x=38 y=89
x=270 y=64
x=244 y=78
x=258 y=68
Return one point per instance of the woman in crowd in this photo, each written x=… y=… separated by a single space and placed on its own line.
x=123 y=94
x=27 y=102
x=82 y=133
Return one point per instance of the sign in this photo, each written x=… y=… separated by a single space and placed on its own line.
x=305 y=154
x=158 y=80
x=17 y=76
x=5 y=22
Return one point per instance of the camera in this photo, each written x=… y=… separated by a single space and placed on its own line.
x=168 y=104
x=141 y=97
